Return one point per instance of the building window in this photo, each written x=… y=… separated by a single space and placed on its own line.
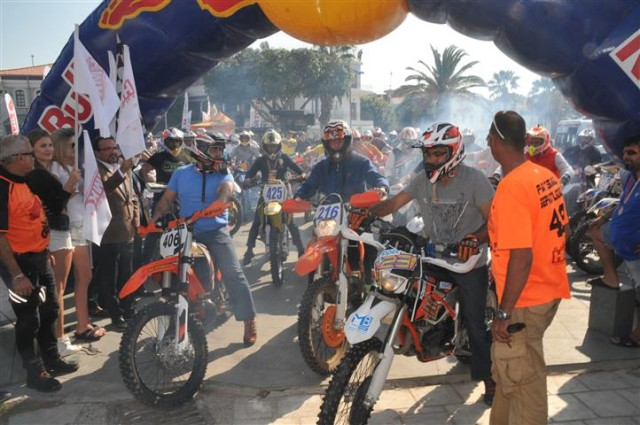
x=20 y=100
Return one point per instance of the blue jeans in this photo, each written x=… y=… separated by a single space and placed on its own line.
x=221 y=247
x=473 y=288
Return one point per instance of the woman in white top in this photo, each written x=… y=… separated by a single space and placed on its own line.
x=63 y=167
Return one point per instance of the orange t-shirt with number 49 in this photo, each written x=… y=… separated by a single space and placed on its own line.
x=528 y=211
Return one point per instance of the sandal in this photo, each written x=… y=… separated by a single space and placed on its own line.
x=624 y=341
x=90 y=335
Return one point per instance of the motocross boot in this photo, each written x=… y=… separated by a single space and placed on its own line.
x=246 y=260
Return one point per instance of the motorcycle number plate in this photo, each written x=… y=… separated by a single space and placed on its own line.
x=274 y=193
x=173 y=240
x=327 y=212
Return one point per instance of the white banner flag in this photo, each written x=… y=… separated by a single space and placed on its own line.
x=186 y=121
x=89 y=78
x=206 y=115
x=13 y=117
x=130 y=134
x=97 y=213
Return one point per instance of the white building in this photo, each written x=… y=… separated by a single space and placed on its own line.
x=23 y=84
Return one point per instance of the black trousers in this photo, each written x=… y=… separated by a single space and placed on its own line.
x=115 y=264
x=255 y=227
x=35 y=335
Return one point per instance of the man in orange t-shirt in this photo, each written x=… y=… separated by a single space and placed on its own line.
x=527 y=238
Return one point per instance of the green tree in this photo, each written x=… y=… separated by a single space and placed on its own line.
x=437 y=85
x=272 y=79
x=546 y=105
x=377 y=108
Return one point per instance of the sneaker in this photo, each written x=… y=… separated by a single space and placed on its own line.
x=43 y=382
x=489 y=391
x=66 y=348
x=247 y=257
x=60 y=367
x=250 y=332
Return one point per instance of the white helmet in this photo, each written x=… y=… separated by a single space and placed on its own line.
x=586 y=138
x=442 y=134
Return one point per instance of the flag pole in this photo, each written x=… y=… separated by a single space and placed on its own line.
x=76 y=124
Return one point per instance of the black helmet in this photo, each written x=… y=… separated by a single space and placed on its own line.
x=201 y=152
x=337 y=129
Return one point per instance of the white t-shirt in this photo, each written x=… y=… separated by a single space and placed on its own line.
x=75 y=206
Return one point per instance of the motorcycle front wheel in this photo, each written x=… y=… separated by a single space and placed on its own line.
x=343 y=401
x=276 y=256
x=321 y=344
x=150 y=366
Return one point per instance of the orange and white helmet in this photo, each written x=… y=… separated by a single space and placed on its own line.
x=537 y=140
x=442 y=134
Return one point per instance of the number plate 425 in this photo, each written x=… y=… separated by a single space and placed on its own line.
x=173 y=240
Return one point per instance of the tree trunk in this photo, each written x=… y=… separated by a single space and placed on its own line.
x=326 y=105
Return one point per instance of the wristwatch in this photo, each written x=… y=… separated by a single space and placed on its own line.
x=501 y=315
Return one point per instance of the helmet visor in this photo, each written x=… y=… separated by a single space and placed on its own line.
x=333 y=134
x=536 y=142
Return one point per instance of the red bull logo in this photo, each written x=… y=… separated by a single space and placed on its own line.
x=224 y=8
x=119 y=11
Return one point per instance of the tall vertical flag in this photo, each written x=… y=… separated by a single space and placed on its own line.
x=97 y=212
x=89 y=78
x=129 y=133
x=206 y=115
x=13 y=117
x=186 y=115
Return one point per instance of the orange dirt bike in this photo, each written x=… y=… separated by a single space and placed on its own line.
x=163 y=351
x=338 y=286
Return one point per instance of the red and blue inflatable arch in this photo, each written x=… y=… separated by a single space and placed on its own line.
x=591 y=49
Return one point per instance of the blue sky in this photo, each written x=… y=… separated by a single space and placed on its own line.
x=42 y=27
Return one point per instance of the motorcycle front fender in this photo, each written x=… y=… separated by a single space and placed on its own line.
x=363 y=323
x=314 y=253
x=141 y=275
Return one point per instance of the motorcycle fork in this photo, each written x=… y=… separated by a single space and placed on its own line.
x=182 y=305
x=379 y=376
x=343 y=287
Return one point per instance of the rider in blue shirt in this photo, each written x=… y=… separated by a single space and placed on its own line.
x=342 y=171
x=195 y=186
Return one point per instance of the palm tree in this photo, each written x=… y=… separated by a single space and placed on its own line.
x=502 y=83
x=438 y=84
x=547 y=104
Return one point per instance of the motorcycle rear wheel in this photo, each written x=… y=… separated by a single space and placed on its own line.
x=150 y=368
x=583 y=252
x=343 y=400
x=318 y=300
x=235 y=216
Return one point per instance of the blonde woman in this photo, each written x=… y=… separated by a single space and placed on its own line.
x=63 y=167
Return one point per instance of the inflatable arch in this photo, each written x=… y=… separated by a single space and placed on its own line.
x=591 y=49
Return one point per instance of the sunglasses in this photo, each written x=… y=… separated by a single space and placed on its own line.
x=112 y=148
x=31 y=154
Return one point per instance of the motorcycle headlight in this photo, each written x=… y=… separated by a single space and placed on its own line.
x=390 y=282
x=326 y=228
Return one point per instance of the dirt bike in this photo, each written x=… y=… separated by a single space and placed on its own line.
x=580 y=244
x=273 y=226
x=234 y=220
x=338 y=287
x=163 y=350
x=420 y=296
